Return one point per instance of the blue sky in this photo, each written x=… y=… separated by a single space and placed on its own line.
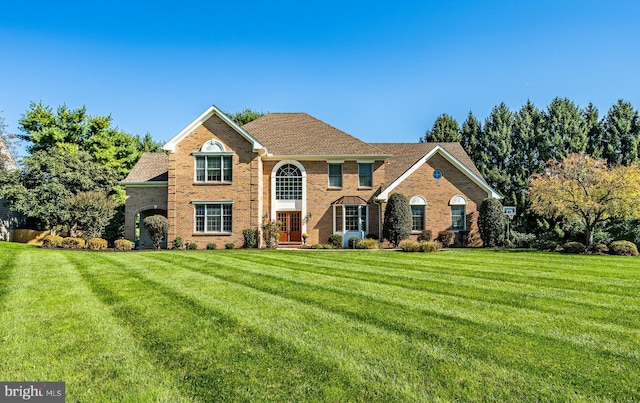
x=377 y=70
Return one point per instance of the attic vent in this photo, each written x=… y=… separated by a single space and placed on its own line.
x=212 y=146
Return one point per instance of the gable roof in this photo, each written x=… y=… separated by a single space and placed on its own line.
x=408 y=157
x=151 y=168
x=6 y=158
x=302 y=135
x=206 y=115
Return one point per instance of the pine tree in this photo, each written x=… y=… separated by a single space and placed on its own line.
x=445 y=129
x=621 y=134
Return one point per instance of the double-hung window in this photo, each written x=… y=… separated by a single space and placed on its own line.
x=365 y=175
x=458 y=221
x=214 y=168
x=213 y=217
x=417 y=214
x=335 y=175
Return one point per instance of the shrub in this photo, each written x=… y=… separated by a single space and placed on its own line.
x=353 y=242
x=317 y=246
x=408 y=245
x=157 y=226
x=371 y=236
x=270 y=232
x=73 y=243
x=97 y=244
x=599 y=249
x=574 y=247
x=522 y=240
x=212 y=246
x=250 y=237
x=429 y=246
x=398 y=219
x=446 y=238
x=369 y=244
x=122 y=244
x=178 y=243
x=335 y=240
x=623 y=248
x=52 y=241
x=549 y=246
x=491 y=222
x=192 y=246
x=229 y=245
x=327 y=246
x=425 y=235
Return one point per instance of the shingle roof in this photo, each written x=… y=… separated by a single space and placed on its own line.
x=151 y=167
x=6 y=158
x=301 y=134
x=405 y=155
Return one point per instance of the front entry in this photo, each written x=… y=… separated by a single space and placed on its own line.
x=290 y=230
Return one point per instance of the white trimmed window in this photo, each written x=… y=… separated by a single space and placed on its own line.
x=418 y=204
x=365 y=175
x=289 y=183
x=335 y=175
x=213 y=217
x=458 y=213
x=354 y=218
x=213 y=168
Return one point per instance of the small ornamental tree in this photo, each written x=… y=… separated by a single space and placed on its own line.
x=491 y=222
x=397 y=219
x=157 y=226
x=270 y=232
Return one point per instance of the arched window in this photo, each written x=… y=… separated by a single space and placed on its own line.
x=289 y=183
x=458 y=213
x=418 y=204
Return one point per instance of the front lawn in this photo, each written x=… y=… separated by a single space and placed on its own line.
x=321 y=325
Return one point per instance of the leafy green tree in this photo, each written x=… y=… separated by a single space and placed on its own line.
x=146 y=144
x=397 y=219
x=245 y=116
x=445 y=129
x=491 y=222
x=564 y=130
x=91 y=211
x=621 y=134
x=49 y=179
x=158 y=227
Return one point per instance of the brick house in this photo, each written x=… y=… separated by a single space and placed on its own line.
x=219 y=178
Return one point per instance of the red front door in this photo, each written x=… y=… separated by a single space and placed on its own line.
x=290 y=230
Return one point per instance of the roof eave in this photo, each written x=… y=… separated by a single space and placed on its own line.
x=316 y=157
x=145 y=184
x=211 y=111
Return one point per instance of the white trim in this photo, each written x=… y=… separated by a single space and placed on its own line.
x=211 y=111
x=320 y=157
x=329 y=163
x=205 y=153
x=212 y=143
x=365 y=161
x=492 y=193
x=418 y=201
x=275 y=204
x=458 y=200
x=211 y=202
x=370 y=163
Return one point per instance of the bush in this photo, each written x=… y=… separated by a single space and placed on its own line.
x=446 y=238
x=178 y=243
x=369 y=244
x=491 y=222
x=574 y=247
x=250 y=238
x=408 y=245
x=192 y=246
x=623 y=248
x=327 y=246
x=429 y=246
x=549 y=246
x=336 y=240
x=73 y=243
x=122 y=244
x=212 y=246
x=270 y=232
x=398 y=219
x=425 y=235
x=229 y=245
x=157 y=226
x=522 y=240
x=353 y=242
x=599 y=249
x=97 y=244
x=317 y=246
x=52 y=241
x=371 y=236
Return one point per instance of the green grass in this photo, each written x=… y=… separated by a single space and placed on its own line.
x=321 y=325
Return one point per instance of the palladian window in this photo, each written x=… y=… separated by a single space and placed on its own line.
x=289 y=183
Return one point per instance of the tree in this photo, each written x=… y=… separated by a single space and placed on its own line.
x=491 y=222
x=445 y=129
x=470 y=136
x=91 y=212
x=146 y=144
x=158 y=227
x=7 y=148
x=564 y=130
x=397 y=219
x=585 y=189
x=497 y=145
x=621 y=134
x=49 y=178
x=245 y=116
x=593 y=128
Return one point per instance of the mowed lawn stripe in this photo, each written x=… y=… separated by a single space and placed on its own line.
x=387 y=362
x=485 y=340
x=53 y=329
x=596 y=306
x=211 y=355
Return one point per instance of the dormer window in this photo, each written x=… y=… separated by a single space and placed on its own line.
x=213 y=164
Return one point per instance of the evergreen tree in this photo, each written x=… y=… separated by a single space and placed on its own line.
x=491 y=222
x=397 y=219
x=445 y=129
x=595 y=134
x=497 y=147
x=621 y=134
x=564 y=132
x=470 y=137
